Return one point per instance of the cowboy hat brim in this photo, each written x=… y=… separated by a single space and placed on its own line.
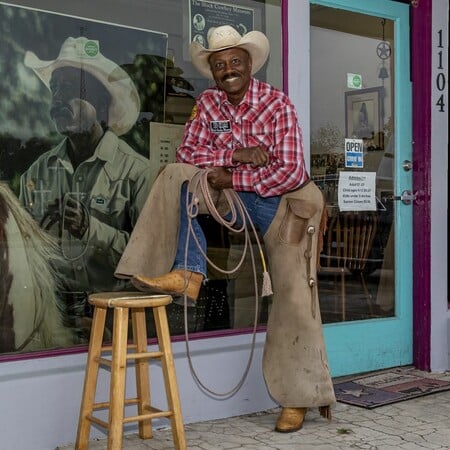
x=125 y=104
x=254 y=42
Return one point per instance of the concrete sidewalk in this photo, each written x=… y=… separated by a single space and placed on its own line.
x=421 y=423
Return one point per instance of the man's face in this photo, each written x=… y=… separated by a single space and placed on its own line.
x=75 y=100
x=231 y=69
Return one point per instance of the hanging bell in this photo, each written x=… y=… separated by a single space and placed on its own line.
x=383 y=73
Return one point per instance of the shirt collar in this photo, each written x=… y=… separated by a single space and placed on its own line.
x=107 y=146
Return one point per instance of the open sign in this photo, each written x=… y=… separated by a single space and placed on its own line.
x=354 y=156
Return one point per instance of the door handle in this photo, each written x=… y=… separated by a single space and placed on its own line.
x=407 y=197
x=407 y=165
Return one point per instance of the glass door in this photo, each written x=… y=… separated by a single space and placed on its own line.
x=360 y=158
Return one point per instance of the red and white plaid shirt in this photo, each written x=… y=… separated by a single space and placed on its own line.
x=265 y=117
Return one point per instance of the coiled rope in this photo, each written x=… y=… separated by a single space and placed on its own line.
x=199 y=184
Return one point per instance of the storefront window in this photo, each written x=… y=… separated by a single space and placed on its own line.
x=91 y=109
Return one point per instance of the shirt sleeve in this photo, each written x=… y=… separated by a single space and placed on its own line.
x=286 y=170
x=196 y=147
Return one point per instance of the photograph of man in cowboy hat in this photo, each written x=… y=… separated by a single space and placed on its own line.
x=90 y=188
x=243 y=135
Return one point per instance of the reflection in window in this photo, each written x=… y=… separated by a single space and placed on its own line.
x=78 y=157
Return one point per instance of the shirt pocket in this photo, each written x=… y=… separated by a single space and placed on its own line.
x=256 y=134
x=100 y=204
x=109 y=209
x=223 y=140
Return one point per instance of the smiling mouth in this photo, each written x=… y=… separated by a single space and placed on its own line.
x=230 y=79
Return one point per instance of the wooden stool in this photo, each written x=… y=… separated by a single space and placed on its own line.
x=122 y=303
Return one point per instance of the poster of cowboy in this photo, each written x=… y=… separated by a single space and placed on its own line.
x=206 y=14
x=77 y=99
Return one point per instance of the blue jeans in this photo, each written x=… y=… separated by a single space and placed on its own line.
x=261 y=210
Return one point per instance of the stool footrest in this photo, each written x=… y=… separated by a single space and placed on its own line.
x=145 y=355
x=130 y=356
x=98 y=421
x=154 y=413
x=104 y=361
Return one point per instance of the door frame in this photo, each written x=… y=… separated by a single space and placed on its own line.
x=298 y=81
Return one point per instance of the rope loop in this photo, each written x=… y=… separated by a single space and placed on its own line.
x=198 y=185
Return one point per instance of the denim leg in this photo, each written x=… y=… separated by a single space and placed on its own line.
x=195 y=262
x=261 y=210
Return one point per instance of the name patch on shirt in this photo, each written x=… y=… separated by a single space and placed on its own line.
x=220 y=126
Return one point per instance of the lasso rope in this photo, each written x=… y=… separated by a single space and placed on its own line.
x=199 y=184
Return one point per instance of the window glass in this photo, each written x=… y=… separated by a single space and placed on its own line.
x=352 y=160
x=92 y=107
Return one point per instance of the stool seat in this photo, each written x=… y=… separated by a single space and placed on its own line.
x=124 y=304
x=128 y=300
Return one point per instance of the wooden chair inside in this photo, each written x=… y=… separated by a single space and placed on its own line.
x=347 y=245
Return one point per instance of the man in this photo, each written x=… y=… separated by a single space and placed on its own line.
x=245 y=133
x=88 y=190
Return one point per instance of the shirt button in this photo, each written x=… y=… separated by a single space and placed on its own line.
x=80 y=178
x=79 y=268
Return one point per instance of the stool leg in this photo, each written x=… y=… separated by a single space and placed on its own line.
x=118 y=375
x=168 y=366
x=90 y=378
x=142 y=371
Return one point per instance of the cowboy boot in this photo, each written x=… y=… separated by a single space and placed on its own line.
x=178 y=282
x=290 y=419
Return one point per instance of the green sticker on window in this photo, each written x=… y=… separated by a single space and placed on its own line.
x=91 y=48
x=354 y=81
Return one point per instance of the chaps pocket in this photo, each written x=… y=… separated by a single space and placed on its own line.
x=295 y=222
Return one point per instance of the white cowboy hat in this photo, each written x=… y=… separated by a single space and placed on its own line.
x=85 y=54
x=225 y=36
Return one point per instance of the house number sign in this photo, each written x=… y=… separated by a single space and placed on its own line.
x=440 y=79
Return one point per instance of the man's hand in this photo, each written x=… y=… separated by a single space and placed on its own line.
x=220 y=178
x=256 y=156
x=75 y=219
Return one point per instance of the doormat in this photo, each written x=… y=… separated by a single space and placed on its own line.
x=383 y=388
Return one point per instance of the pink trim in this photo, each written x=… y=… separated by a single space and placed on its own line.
x=421 y=78
x=12 y=357
x=284 y=44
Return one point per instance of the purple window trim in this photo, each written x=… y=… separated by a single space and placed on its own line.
x=284 y=44
x=50 y=353
x=421 y=82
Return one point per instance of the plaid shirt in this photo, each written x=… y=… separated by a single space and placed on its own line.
x=265 y=117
